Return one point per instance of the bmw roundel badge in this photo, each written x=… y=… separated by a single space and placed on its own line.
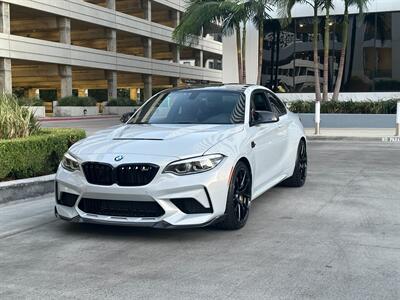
x=119 y=157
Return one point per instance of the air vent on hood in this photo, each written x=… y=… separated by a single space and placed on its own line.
x=137 y=139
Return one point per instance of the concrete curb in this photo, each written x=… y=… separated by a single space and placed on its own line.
x=26 y=188
x=343 y=138
x=55 y=119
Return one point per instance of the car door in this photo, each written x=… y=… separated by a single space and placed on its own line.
x=282 y=137
x=265 y=143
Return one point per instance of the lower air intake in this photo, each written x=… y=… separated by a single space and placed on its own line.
x=121 y=208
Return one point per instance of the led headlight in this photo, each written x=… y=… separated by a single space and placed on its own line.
x=69 y=163
x=194 y=165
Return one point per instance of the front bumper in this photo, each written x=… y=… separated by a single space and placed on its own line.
x=210 y=189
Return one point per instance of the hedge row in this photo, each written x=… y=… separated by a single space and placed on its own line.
x=346 y=107
x=76 y=101
x=36 y=155
x=121 y=102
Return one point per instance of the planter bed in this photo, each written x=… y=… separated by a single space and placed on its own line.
x=75 y=111
x=118 y=110
x=38 y=111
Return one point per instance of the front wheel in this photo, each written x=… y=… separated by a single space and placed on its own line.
x=239 y=197
x=300 y=170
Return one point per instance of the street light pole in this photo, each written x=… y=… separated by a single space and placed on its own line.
x=317 y=116
x=398 y=119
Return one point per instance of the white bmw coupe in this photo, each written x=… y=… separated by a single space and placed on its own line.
x=188 y=157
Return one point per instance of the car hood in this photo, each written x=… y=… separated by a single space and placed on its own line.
x=178 y=141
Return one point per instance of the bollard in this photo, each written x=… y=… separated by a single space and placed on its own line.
x=398 y=119
x=317 y=117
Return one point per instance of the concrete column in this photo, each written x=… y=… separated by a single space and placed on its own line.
x=147 y=9
x=5 y=63
x=147 y=45
x=111 y=40
x=5 y=75
x=64 y=28
x=4 y=17
x=111 y=4
x=201 y=62
x=133 y=94
x=148 y=86
x=176 y=53
x=176 y=17
x=66 y=81
x=112 y=84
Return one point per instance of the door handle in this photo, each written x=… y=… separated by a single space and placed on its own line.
x=253 y=144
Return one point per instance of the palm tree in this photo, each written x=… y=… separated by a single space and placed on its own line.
x=286 y=7
x=209 y=16
x=361 y=5
x=327 y=5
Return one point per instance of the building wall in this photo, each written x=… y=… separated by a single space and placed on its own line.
x=99 y=29
x=372 y=59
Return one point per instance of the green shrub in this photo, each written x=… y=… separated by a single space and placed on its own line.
x=16 y=121
x=30 y=101
x=76 y=101
x=121 y=102
x=346 y=107
x=36 y=155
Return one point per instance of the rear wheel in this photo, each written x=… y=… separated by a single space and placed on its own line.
x=300 y=170
x=239 y=197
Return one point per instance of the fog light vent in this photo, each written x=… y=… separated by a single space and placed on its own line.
x=190 y=206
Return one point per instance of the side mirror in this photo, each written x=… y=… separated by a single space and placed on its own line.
x=264 y=117
x=126 y=116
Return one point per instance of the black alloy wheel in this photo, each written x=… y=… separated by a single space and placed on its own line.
x=239 y=198
x=299 y=176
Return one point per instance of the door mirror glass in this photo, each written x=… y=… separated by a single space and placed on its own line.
x=264 y=117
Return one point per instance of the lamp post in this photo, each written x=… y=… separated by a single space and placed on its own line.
x=398 y=119
x=317 y=116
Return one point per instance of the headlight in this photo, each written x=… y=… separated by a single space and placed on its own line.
x=69 y=163
x=194 y=165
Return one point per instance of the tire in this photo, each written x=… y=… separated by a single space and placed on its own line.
x=238 y=200
x=299 y=176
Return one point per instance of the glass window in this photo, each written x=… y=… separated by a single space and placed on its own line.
x=197 y=106
x=259 y=102
x=277 y=106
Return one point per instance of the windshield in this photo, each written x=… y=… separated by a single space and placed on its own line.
x=192 y=107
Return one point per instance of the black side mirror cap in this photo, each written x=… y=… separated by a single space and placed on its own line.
x=264 y=117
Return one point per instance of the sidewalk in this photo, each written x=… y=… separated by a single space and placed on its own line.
x=351 y=133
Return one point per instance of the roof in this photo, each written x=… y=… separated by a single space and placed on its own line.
x=226 y=87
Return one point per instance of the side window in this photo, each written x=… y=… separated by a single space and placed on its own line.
x=277 y=106
x=259 y=102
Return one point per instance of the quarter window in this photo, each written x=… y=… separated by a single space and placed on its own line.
x=277 y=106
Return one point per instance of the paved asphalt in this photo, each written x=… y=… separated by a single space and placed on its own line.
x=338 y=237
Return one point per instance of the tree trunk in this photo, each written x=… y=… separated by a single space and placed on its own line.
x=239 y=54
x=339 y=78
x=326 y=56
x=244 y=32
x=316 y=57
x=260 y=51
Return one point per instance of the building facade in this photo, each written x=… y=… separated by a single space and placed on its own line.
x=75 y=47
x=372 y=58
